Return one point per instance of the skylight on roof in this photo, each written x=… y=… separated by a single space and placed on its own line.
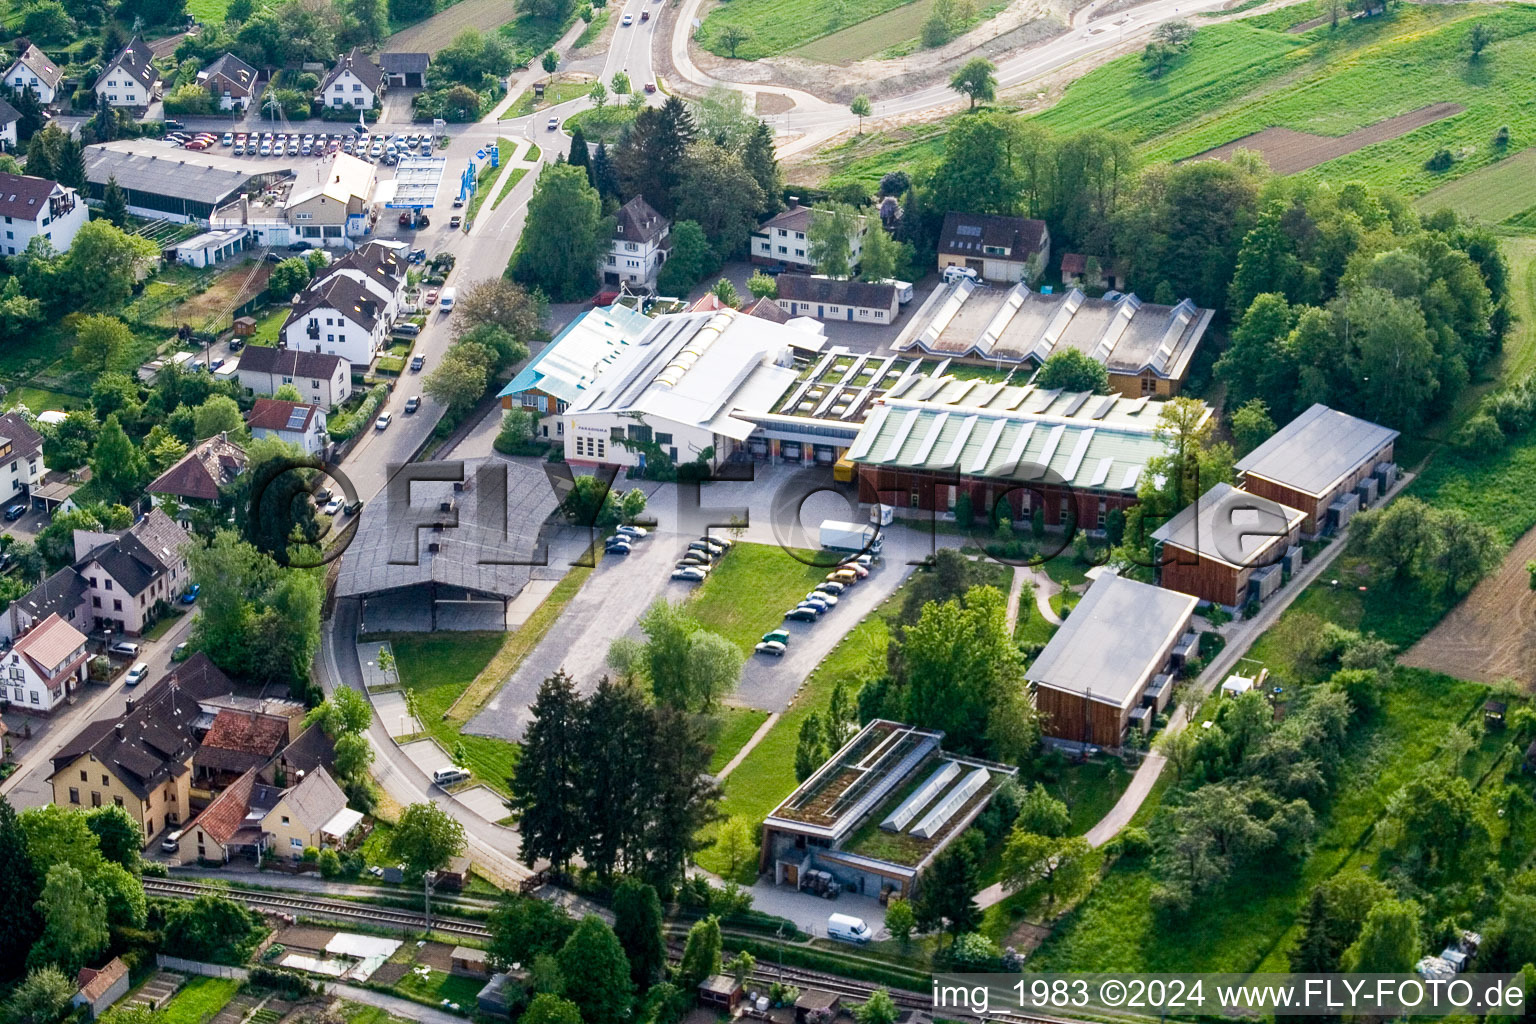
x=971 y=230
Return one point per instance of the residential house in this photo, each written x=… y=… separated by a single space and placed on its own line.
x=311 y=812
x=1326 y=463
x=324 y=380
x=298 y=423
x=338 y=316
x=405 y=70
x=21 y=455
x=1228 y=547
x=45 y=667
x=291 y=712
x=197 y=477
x=64 y=594
x=230 y=81
x=570 y=362
x=332 y=202
x=33 y=70
x=377 y=266
x=230 y=826
x=1091 y=681
x=641 y=241
x=355 y=82
x=312 y=749
x=37 y=206
x=10 y=118
x=100 y=987
x=1083 y=271
x=131 y=80
x=55 y=492
x=131 y=573
x=237 y=742
x=826 y=298
x=142 y=760
x=784 y=240
x=1004 y=249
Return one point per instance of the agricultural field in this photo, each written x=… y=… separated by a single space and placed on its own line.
x=1497 y=194
x=784 y=25
x=892 y=34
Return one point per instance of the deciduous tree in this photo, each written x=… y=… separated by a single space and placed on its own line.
x=426 y=838
x=564 y=236
x=976 y=80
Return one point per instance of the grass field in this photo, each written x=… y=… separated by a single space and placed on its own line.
x=513 y=177
x=199 y=1000
x=1493 y=194
x=868 y=37
x=594 y=28
x=728 y=731
x=438 y=986
x=486 y=177
x=555 y=92
x=783 y=25
x=437 y=667
x=745 y=596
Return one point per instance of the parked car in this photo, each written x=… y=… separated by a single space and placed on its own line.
x=616 y=545
x=842 y=576
x=691 y=573
x=802 y=613
x=448 y=776
x=15 y=512
x=300 y=246
x=173 y=125
x=633 y=531
x=431 y=297
x=830 y=600
x=455 y=222
x=171 y=843
x=333 y=506
x=407 y=331
x=821 y=606
x=384 y=420
x=190 y=597
x=779 y=635
x=412 y=404
x=126 y=648
x=417 y=362
x=136 y=674
x=228 y=139
x=695 y=558
x=353 y=508
x=772 y=647
x=181 y=651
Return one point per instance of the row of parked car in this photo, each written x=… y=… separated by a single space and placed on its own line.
x=700 y=558
x=623 y=539
x=366 y=147
x=819 y=601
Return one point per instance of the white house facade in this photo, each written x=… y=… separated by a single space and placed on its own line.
x=131 y=80
x=45 y=666
x=338 y=316
x=33 y=70
x=36 y=206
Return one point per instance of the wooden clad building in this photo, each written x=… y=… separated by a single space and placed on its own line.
x=1221 y=547
x=1096 y=669
x=1325 y=463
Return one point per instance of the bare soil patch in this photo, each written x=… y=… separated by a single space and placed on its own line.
x=304 y=937
x=436 y=954
x=1288 y=151
x=770 y=103
x=438 y=31
x=1492 y=634
x=388 y=974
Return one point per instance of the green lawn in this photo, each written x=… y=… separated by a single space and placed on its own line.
x=508 y=184
x=728 y=731
x=750 y=589
x=268 y=325
x=607 y=125
x=1248 y=925
x=1090 y=790
x=437 y=986
x=487 y=177
x=437 y=667
x=555 y=92
x=1493 y=194
x=776 y=26
x=529 y=36
x=199 y=999
x=594 y=28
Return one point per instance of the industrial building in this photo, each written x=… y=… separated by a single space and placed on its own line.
x=1111 y=664
x=180 y=185
x=876 y=814
x=1326 y=463
x=1229 y=547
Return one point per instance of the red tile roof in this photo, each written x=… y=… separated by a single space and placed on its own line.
x=94 y=981
x=276 y=414
x=50 y=643
x=222 y=818
x=247 y=733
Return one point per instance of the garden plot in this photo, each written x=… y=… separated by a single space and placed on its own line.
x=1289 y=152
x=348 y=956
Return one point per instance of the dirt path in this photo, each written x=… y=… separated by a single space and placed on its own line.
x=1492 y=634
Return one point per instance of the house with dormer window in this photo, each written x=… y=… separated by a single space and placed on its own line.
x=354 y=83
x=338 y=316
x=641 y=241
x=131 y=80
x=37 y=206
x=45 y=666
x=33 y=70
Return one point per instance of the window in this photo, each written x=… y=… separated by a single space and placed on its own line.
x=82 y=775
x=118 y=800
x=285 y=819
x=616 y=433
x=879 y=314
x=117 y=606
x=74 y=795
x=296 y=843
x=95 y=602
x=662 y=438
x=109 y=584
x=104 y=779
x=1148 y=385
x=95 y=799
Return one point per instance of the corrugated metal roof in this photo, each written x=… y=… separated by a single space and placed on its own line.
x=1316 y=449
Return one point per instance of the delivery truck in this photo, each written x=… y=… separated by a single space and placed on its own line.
x=837 y=536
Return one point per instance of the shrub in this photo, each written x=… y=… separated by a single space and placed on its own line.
x=1501 y=137
x=1133 y=843
x=330 y=863
x=1481 y=432
x=1441 y=161
x=285 y=983
x=1211 y=644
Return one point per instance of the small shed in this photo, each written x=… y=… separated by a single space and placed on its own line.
x=245 y=326
x=455 y=876
x=1493 y=714
x=494 y=1000
x=721 y=991
x=817 y=1005
x=1236 y=686
x=469 y=963
x=100 y=987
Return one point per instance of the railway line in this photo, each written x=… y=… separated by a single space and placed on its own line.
x=765 y=975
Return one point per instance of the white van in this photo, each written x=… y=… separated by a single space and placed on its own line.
x=847 y=929
x=449 y=775
x=445 y=300
x=955 y=272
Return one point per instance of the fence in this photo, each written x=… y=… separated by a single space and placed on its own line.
x=176 y=963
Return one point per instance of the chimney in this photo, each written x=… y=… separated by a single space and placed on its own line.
x=128 y=706
x=122 y=733
x=794 y=202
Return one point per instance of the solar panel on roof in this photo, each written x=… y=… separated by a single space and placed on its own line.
x=1132 y=475
x=969 y=230
x=1076 y=403
x=1104 y=407
x=937 y=818
x=1101 y=473
x=952 y=457
x=1079 y=452
x=296 y=418
x=988 y=445
x=924 y=795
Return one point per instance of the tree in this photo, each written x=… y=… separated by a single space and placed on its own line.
x=579 y=155
x=689 y=668
x=118 y=836
x=811 y=751
x=718 y=193
x=524 y=928
x=220 y=414
x=725 y=291
x=74 y=921
x=977 y=80
x=1465 y=550
x=549 y=62
x=899 y=919
x=19 y=895
x=100 y=341
x=461 y=377
x=879 y=1008
x=759 y=159
x=637 y=921
x=545 y=783
x=692 y=258
x=104 y=264
x=737 y=843
x=547 y=1008
x=1398 y=539
x=344 y=711
x=1042 y=814
x=1251 y=425
x=619 y=83
x=831 y=234
x=288 y=278
x=879 y=254
x=1058 y=862
x=565 y=234
x=653 y=155
x=701 y=953
x=947 y=898
x=1478 y=38
x=1389 y=941
x=1432 y=824
x=732 y=37
x=425 y=838
x=1073 y=370
x=43 y=997
x=682 y=796
x=118 y=467
x=763 y=286
x=860 y=108
x=1332 y=919
x=593 y=955
x=210 y=928
x=114 y=203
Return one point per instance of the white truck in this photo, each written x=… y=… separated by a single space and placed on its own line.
x=836 y=536
x=847 y=929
